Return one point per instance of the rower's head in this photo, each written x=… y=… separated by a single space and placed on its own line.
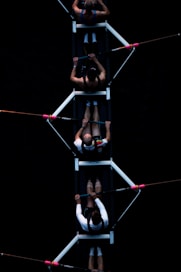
x=96 y=216
x=87 y=139
x=92 y=73
x=90 y=4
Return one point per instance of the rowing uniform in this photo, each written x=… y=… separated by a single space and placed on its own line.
x=87 y=224
x=83 y=20
x=97 y=145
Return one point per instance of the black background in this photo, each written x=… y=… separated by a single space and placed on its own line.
x=37 y=183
